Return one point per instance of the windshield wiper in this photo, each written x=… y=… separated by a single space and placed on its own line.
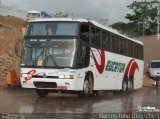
x=53 y=60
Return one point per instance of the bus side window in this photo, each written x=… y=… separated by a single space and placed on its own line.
x=135 y=50
x=83 y=56
x=97 y=39
x=115 y=44
x=128 y=48
x=92 y=35
x=84 y=33
x=122 y=46
x=108 y=41
x=141 y=51
x=105 y=41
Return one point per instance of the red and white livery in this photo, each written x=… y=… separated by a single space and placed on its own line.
x=79 y=55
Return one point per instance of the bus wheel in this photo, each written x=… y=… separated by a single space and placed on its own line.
x=124 y=86
x=130 y=85
x=87 y=87
x=42 y=93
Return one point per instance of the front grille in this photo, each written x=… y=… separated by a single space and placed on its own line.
x=45 y=84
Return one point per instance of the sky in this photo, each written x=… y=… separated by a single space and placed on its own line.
x=113 y=10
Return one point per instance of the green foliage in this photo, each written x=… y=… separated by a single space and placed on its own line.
x=143 y=20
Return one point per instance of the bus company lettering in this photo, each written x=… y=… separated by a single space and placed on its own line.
x=115 y=66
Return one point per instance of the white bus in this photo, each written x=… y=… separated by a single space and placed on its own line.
x=79 y=55
x=33 y=14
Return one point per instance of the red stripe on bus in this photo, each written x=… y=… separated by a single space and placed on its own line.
x=128 y=66
x=133 y=69
x=100 y=67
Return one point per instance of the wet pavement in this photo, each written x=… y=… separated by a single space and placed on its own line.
x=26 y=101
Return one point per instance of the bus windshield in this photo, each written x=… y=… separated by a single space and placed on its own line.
x=52 y=29
x=48 y=52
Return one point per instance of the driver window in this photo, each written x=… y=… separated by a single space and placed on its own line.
x=83 y=56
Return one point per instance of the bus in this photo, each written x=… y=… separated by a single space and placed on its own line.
x=80 y=56
x=37 y=14
x=33 y=14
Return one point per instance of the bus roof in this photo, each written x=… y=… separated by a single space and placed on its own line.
x=84 y=20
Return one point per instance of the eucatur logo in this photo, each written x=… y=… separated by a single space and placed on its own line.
x=131 y=68
x=100 y=67
x=33 y=73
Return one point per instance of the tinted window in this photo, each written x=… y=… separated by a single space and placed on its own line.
x=115 y=43
x=104 y=42
x=122 y=44
x=84 y=33
x=83 y=56
x=141 y=52
x=95 y=37
x=155 y=64
x=52 y=28
x=128 y=48
x=92 y=35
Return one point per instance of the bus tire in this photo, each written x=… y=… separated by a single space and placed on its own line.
x=42 y=93
x=124 y=85
x=87 y=86
x=130 y=85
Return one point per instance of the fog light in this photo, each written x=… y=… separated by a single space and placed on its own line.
x=71 y=76
x=67 y=76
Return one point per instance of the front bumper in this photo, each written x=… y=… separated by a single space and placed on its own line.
x=44 y=83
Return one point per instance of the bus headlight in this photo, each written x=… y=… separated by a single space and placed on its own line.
x=23 y=75
x=66 y=76
x=61 y=76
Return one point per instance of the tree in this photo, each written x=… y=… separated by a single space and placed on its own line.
x=125 y=28
x=143 y=20
x=144 y=16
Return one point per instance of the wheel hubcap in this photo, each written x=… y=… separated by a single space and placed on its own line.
x=129 y=85
x=124 y=86
x=86 y=87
